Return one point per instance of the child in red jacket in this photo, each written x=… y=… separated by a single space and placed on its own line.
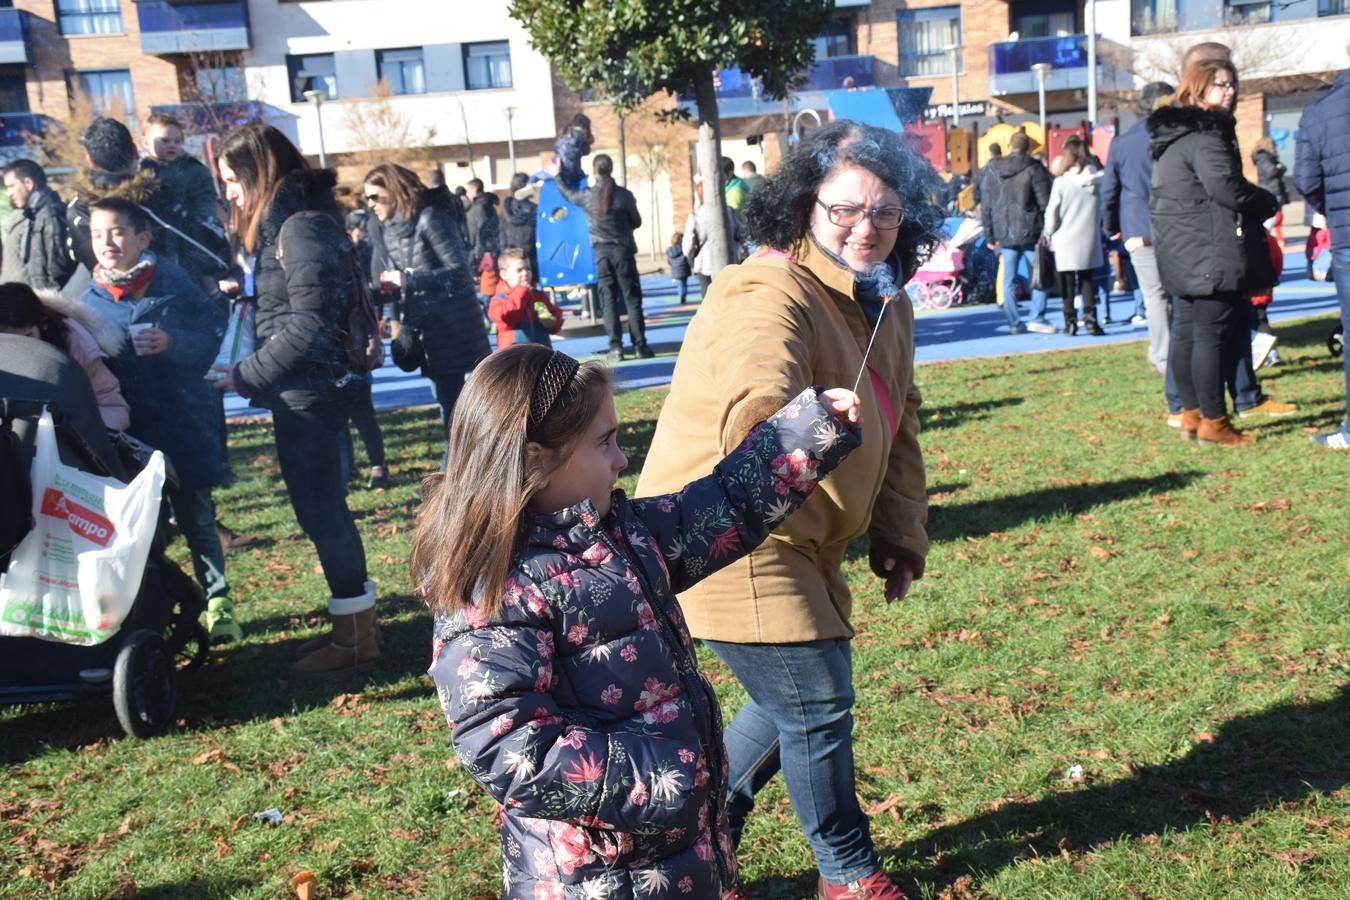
x=521 y=314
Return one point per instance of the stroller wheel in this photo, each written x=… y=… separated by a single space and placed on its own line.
x=1336 y=342
x=939 y=296
x=196 y=647
x=144 y=693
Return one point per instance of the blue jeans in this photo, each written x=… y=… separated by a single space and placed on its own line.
x=308 y=425
x=1240 y=378
x=196 y=516
x=1011 y=257
x=1340 y=272
x=799 y=720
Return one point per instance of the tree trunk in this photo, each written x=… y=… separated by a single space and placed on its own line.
x=718 y=242
x=623 y=155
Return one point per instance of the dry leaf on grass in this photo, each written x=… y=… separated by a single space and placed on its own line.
x=305 y=885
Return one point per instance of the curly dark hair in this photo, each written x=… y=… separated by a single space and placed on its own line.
x=109 y=145
x=779 y=212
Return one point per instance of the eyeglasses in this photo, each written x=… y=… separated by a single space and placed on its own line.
x=376 y=198
x=1225 y=85
x=884 y=218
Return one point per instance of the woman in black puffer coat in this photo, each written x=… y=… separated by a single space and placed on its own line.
x=520 y=211
x=285 y=215
x=443 y=330
x=1211 y=246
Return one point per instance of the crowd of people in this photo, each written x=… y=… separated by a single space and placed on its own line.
x=562 y=657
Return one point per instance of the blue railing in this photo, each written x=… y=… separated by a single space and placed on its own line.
x=161 y=16
x=827 y=74
x=11 y=26
x=17 y=128
x=1017 y=57
x=199 y=117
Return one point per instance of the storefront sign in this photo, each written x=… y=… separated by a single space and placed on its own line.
x=968 y=108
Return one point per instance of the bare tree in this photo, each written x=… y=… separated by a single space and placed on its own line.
x=656 y=141
x=379 y=131
x=468 y=143
x=1258 y=53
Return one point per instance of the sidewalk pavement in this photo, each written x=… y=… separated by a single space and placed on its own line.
x=961 y=332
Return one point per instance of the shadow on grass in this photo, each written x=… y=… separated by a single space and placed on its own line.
x=1256 y=761
x=240 y=684
x=979 y=517
x=197 y=888
x=954 y=415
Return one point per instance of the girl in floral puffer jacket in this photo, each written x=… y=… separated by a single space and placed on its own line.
x=561 y=657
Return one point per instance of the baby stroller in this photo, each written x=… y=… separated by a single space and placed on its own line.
x=942 y=280
x=160 y=636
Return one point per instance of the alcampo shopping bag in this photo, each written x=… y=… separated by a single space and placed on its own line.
x=74 y=578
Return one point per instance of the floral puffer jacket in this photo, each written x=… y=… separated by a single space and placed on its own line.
x=580 y=707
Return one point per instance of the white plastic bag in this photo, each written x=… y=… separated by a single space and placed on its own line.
x=75 y=576
x=240 y=339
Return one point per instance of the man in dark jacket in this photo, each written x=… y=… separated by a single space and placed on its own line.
x=1015 y=197
x=520 y=213
x=484 y=227
x=1125 y=192
x=1322 y=176
x=35 y=232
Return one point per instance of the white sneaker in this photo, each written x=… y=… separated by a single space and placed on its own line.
x=1041 y=327
x=1262 y=344
x=1138 y=320
x=1337 y=440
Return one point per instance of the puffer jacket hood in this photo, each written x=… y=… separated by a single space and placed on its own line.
x=1168 y=124
x=579 y=706
x=110 y=336
x=1013 y=200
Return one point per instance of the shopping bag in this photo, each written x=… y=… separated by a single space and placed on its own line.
x=1043 y=273
x=240 y=339
x=75 y=576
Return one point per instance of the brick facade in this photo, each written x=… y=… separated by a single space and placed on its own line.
x=54 y=56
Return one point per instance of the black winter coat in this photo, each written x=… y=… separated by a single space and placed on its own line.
x=1014 y=197
x=1270 y=174
x=1322 y=159
x=439 y=301
x=299 y=305
x=614 y=227
x=1206 y=217
x=519 y=223
x=484 y=227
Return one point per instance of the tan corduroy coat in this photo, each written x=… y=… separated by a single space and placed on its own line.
x=769 y=328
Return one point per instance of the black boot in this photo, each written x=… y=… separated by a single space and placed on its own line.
x=1090 y=325
x=1070 y=318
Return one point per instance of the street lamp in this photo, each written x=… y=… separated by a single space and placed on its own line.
x=316 y=97
x=1090 y=20
x=511 y=137
x=954 y=49
x=1041 y=69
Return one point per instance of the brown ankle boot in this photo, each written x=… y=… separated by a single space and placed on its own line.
x=1218 y=431
x=353 y=647
x=1190 y=423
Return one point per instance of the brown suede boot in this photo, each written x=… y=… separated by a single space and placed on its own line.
x=1218 y=431
x=352 y=647
x=1190 y=423
x=323 y=640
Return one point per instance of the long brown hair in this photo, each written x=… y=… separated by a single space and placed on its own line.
x=1073 y=154
x=1196 y=80
x=473 y=519
x=261 y=156
x=402 y=185
x=602 y=167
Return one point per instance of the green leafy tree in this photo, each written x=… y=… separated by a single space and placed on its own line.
x=629 y=50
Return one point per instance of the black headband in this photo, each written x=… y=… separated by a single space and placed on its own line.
x=550 y=385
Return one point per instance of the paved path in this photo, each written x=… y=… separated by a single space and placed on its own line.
x=958 y=333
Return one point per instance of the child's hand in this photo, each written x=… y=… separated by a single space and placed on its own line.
x=843 y=404
x=150 y=341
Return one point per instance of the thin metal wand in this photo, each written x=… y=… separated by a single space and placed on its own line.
x=885 y=302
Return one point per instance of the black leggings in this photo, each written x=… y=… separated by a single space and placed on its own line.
x=1205 y=336
x=1070 y=283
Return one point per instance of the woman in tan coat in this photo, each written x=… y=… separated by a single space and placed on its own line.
x=845 y=219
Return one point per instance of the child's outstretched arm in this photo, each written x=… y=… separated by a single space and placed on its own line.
x=721 y=517
x=495 y=682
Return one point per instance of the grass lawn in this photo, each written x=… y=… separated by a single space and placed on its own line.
x=1170 y=618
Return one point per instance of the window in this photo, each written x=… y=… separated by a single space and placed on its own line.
x=925 y=35
x=1154 y=16
x=1332 y=7
x=1039 y=25
x=487 y=65
x=315 y=72
x=90 y=16
x=13 y=90
x=402 y=70
x=1247 y=12
x=836 y=39
x=108 y=90
x=220 y=84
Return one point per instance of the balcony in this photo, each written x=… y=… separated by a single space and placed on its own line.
x=739 y=94
x=18 y=129
x=1010 y=64
x=13 y=36
x=183 y=27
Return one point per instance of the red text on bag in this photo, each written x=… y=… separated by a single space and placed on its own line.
x=82 y=520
